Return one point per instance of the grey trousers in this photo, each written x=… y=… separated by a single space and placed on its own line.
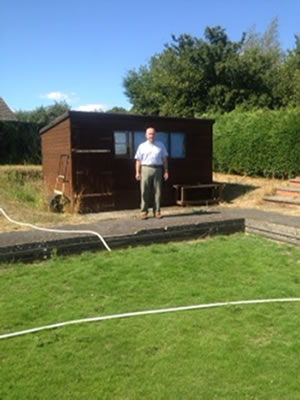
x=151 y=178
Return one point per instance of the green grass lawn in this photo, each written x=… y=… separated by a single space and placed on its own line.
x=234 y=352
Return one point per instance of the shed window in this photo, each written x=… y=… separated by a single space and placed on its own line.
x=177 y=145
x=121 y=143
x=126 y=143
x=139 y=137
x=163 y=137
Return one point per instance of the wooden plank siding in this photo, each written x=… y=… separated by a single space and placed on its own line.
x=56 y=142
x=106 y=181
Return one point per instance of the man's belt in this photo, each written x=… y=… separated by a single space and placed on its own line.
x=152 y=166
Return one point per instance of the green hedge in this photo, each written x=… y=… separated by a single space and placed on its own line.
x=19 y=143
x=258 y=143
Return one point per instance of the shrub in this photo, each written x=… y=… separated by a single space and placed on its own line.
x=258 y=143
x=20 y=143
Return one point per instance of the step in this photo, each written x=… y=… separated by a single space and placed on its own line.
x=283 y=199
x=290 y=191
x=295 y=182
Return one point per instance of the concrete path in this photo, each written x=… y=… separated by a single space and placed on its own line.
x=124 y=231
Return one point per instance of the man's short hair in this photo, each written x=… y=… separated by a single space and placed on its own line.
x=150 y=127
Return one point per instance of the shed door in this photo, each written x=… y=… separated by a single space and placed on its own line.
x=93 y=177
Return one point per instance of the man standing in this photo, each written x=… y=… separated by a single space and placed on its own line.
x=150 y=168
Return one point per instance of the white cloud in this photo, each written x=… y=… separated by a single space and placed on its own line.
x=60 y=96
x=57 y=96
x=73 y=98
x=92 y=107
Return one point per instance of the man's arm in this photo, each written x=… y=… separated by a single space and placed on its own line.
x=138 y=167
x=166 y=172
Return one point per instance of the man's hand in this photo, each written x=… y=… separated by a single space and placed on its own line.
x=166 y=175
x=138 y=167
x=138 y=176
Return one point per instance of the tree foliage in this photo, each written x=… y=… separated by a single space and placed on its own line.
x=117 y=110
x=289 y=80
x=192 y=76
x=42 y=116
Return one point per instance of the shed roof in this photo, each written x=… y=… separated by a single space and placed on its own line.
x=5 y=112
x=111 y=116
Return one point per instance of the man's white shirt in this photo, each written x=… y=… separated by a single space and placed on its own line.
x=151 y=153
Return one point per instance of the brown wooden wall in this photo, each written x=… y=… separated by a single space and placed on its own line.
x=108 y=182
x=56 y=142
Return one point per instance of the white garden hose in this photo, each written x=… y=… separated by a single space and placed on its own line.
x=54 y=230
x=128 y=314
x=147 y=312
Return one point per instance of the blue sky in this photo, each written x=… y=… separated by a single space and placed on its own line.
x=80 y=51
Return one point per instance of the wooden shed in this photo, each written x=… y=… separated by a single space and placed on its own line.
x=89 y=158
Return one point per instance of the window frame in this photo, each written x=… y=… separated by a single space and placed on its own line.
x=127 y=154
x=131 y=143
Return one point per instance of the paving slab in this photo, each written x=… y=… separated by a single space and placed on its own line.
x=257 y=214
x=280 y=227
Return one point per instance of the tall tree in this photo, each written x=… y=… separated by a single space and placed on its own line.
x=179 y=80
x=288 y=87
x=193 y=75
x=263 y=57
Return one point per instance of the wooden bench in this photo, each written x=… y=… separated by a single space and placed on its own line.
x=215 y=193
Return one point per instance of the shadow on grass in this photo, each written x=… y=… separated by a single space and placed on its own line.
x=234 y=190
